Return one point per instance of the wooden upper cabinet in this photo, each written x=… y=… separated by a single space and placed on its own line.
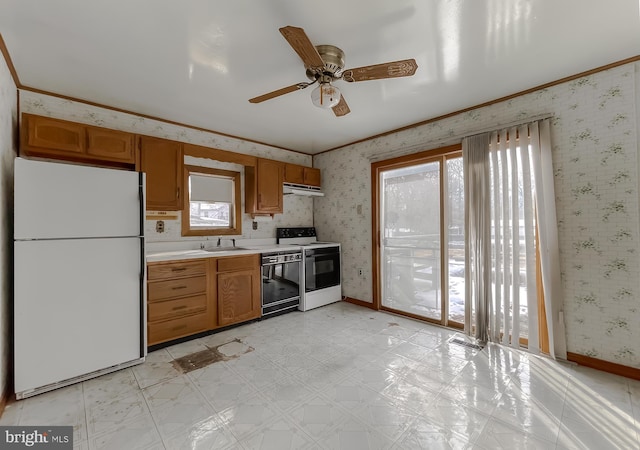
x=270 y=179
x=293 y=173
x=162 y=161
x=43 y=134
x=61 y=139
x=311 y=176
x=296 y=174
x=263 y=187
x=111 y=145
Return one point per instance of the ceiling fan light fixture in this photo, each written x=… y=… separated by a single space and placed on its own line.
x=325 y=96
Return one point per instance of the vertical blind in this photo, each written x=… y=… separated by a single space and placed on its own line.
x=509 y=197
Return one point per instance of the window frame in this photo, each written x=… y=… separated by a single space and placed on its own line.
x=236 y=209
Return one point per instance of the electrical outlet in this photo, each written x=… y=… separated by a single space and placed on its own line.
x=160 y=226
x=360 y=272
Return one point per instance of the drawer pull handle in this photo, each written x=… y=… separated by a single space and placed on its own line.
x=175 y=288
x=175 y=308
x=180 y=327
x=178 y=269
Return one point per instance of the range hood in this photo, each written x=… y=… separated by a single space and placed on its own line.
x=307 y=191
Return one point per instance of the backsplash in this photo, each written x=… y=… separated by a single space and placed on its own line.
x=595 y=156
x=298 y=211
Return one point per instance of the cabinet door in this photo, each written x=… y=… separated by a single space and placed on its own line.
x=269 y=185
x=311 y=176
x=53 y=135
x=293 y=173
x=162 y=162
x=238 y=296
x=110 y=145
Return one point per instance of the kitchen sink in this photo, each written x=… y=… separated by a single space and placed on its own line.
x=223 y=249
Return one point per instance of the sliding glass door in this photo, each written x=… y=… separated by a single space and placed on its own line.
x=454 y=224
x=411 y=252
x=420 y=229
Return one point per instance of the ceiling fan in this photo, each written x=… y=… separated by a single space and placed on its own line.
x=325 y=64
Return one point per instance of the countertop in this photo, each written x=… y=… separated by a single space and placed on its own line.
x=217 y=252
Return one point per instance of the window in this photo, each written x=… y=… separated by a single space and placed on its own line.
x=212 y=203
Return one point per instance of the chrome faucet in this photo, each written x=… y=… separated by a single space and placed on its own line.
x=233 y=242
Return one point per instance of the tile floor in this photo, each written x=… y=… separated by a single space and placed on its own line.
x=344 y=377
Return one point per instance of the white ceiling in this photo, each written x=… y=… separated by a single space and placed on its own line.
x=198 y=62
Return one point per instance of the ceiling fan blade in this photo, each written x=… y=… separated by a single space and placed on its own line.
x=279 y=92
x=299 y=41
x=404 y=68
x=341 y=108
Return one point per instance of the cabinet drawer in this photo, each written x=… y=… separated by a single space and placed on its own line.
x=237 y=263
x=176 y=328
x=181 y=287
x=179 y=269
x=176 y=308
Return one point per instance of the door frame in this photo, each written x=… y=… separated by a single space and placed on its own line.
x=395 y=163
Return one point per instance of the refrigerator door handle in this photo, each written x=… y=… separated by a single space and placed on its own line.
x=143 y=265
x=141 y=193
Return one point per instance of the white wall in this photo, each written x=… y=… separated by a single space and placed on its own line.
x=298 y=211
x=8 y=139
x=596 y=146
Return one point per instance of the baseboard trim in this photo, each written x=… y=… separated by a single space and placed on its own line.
x=605 y=366
x=355 y=301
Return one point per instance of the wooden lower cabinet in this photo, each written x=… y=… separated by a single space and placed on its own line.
x=238 y=296
x=169 y=330
x=175 y=307
x=187 y=297
x=177 y=302
x=238 y=289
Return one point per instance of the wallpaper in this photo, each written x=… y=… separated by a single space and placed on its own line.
x=298 y=211
x=595 y=156
x=8 y=139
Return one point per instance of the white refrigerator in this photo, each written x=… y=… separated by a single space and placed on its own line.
x=79 y=273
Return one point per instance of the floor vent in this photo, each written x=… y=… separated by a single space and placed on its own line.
x=467 y=344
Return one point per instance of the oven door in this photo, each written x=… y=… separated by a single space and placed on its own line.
x=322 y=268
x=280 y=286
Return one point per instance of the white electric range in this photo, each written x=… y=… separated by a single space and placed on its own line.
x=320 y=269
